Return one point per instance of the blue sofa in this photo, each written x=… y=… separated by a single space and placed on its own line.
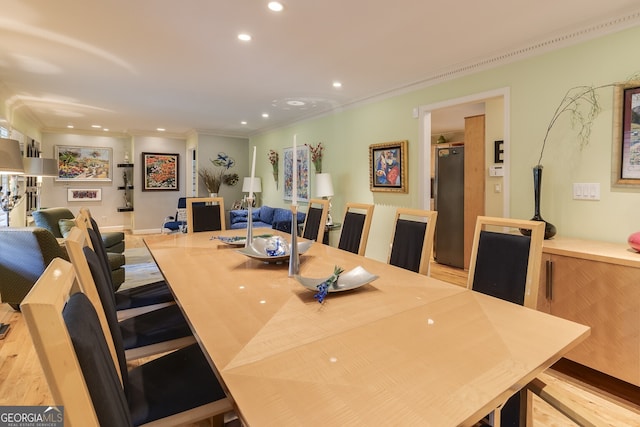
x=265 y=217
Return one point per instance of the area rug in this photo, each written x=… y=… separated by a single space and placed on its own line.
x=139 y=268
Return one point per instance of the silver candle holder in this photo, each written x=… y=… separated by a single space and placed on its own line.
x=249 y=240
x=294 y=258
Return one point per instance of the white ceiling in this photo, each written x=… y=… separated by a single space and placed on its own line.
x=136 y=65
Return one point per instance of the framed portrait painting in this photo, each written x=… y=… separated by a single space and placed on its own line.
x=84 y=163
x=302 y=169
x=388 y=167
x=160 y=172
x=626 y=138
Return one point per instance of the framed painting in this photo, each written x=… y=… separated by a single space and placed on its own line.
x=84 y=163
x=160 y=172
x=84 y=194
x=388 y=167
x=626 y=137
x=302 y=169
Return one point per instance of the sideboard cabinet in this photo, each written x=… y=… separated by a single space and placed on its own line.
x=596 y=284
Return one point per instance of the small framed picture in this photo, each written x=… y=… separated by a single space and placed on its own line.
x=626 y=138
x=84 y=194
x=160 y=172
x=302 y=171
x=388 y=167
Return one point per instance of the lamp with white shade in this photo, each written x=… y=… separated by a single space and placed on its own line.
x=257 y=187
x=10 y=157
x=10 y=164
x=39 y=167
x=324 y=188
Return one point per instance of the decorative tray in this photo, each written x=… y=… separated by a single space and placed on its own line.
x=351 y=279
x=261 y=249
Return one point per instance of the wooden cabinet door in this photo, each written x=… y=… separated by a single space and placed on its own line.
x=605 y=297
x=474 y=179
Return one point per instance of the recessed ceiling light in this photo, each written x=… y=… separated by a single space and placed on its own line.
x=160 y=129
x=70 y=126
x=276 y=6
x=96 y=126
x=265 y=115
x=105 y=129
x=337 y=84
x=294 y=103
x=243 y=122
x=244 y=37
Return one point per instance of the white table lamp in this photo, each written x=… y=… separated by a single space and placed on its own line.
x=10 y=157
x=257 y=186
x=324 y=188
x=39 y=167
x=10 y=164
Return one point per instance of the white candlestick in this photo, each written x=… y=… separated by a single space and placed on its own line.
x=253 y=173
x=294 y=171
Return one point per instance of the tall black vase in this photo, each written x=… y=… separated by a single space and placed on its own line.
x=549 y=229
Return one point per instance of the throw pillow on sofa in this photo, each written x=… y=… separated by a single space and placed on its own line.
x=266 y=214
x=65 y=226
x=238 y=216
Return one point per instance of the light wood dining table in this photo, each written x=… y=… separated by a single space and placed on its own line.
x=405 y=349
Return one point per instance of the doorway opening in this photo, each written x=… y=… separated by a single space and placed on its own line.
x=446 y=124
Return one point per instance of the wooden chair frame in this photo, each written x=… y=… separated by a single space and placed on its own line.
x=75 y=242
x=368 y=213
x=83 y=221
x=558 y=398
x=508 y=225
x=427 y=245
x=323 y=218
x=212 y=200
x=42 y=310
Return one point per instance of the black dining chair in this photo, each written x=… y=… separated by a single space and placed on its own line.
x=205 y=214
x=129 y=301
x=316 y=220
x=146 y=334
x=506 y=264
x=412 y=240
x=355 y=227
x=175 y=389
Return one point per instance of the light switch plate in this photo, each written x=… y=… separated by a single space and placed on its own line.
x=586 y=191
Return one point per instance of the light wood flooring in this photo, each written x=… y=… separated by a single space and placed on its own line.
x=22 y=381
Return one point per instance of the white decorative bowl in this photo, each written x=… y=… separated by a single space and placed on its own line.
x=258 y=250
x=351 y=279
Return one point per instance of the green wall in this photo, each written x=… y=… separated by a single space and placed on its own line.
x=537 y=85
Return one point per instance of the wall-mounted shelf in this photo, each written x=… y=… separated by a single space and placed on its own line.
x=127 y=187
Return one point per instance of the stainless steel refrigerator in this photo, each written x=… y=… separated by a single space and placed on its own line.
x=449 y=202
